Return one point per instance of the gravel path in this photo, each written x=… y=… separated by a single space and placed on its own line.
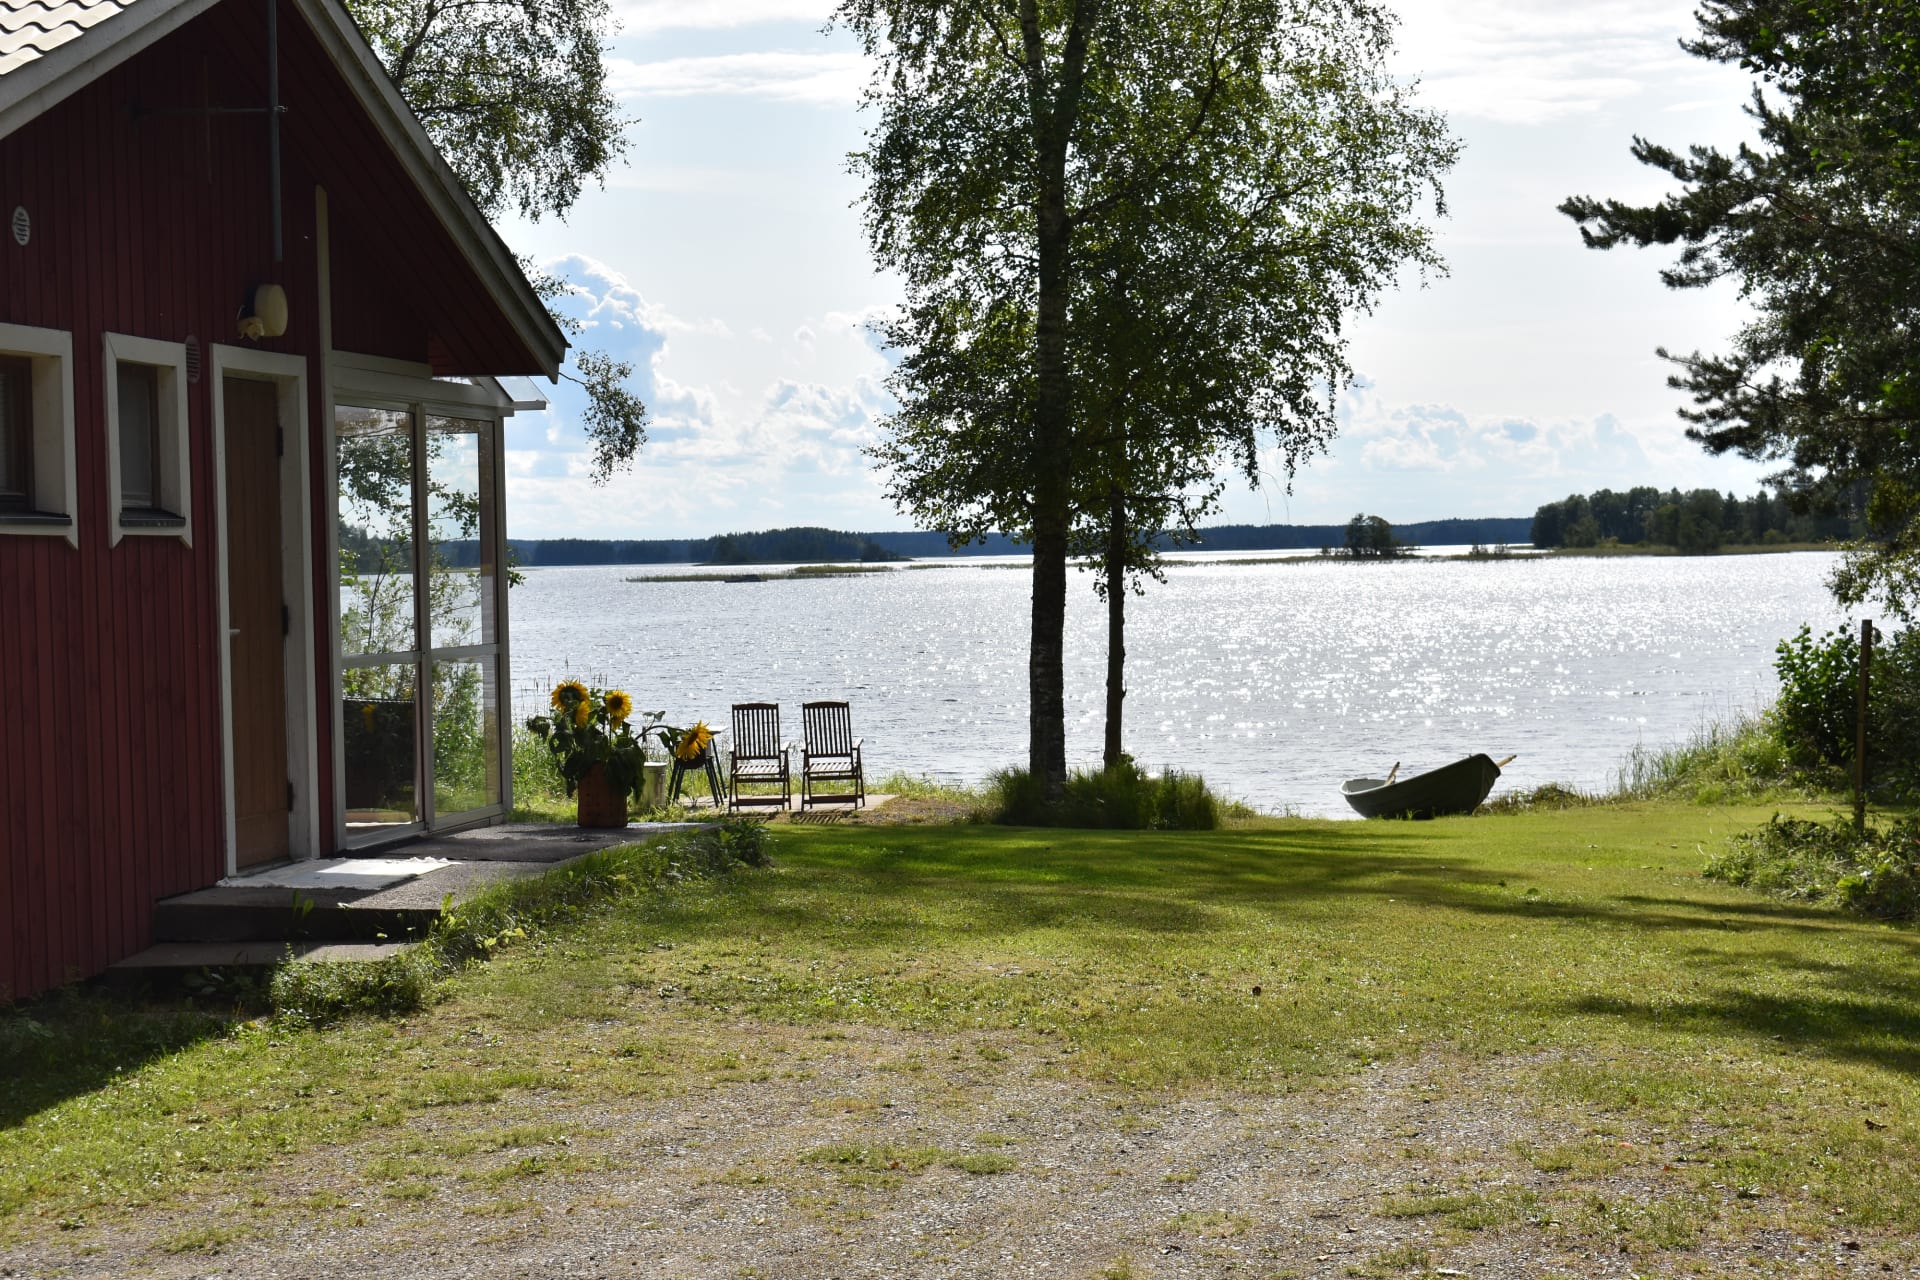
x=875 y=1153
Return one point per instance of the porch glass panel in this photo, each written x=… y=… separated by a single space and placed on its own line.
x=379 y=725
x=460 y=514
x=421 y=605
x=466 y=737
x=376 y=571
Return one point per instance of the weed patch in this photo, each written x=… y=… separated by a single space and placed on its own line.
x=1392 y=1262
x=1875 y=872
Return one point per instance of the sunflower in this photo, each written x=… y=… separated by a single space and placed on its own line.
x=567 y=693
x=619 y=706
x=582 y=712
x=694 y=741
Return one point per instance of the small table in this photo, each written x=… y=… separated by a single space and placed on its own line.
x=705 y=760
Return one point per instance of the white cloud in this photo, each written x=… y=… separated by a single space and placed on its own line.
x=716 y=458
x=1536 y=61
x=827 y=78
x=643 y=16
x=601 y=297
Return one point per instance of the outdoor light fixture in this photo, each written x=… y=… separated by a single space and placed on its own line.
x=264 y=313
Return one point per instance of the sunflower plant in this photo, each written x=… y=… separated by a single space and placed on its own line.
x=688 y=745
x=591 y=727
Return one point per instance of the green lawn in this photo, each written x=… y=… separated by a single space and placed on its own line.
x=1580 y=951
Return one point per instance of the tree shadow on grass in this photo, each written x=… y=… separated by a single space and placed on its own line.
x=1667 y=914
x=903 y=889
x=76 y=1040
x=1863 y=1027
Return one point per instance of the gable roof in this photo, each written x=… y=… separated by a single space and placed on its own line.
x=51 y=49
x=30 y=29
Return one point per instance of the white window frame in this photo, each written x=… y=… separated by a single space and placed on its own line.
x=287 y=374
x=172 y=457
x=55 y=492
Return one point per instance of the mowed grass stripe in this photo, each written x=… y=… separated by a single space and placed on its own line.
x=1583 y=947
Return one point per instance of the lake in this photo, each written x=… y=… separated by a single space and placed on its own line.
x=1275 y=680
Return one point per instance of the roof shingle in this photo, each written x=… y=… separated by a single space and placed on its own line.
x=30 y=29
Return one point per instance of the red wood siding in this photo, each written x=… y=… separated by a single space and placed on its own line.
x=156 y=225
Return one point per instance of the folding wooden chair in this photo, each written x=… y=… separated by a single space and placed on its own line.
x=830 y=753
x=757 y=756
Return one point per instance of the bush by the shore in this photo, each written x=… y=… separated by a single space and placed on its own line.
x=1875 y=872
x=1122 y=797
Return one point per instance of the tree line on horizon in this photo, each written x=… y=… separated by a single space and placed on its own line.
x=811 y=545
x=1696 y=521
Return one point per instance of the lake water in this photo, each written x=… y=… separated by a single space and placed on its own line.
x=1274 y=680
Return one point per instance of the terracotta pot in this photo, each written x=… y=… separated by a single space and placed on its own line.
x=599 y=806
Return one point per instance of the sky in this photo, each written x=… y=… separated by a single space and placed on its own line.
x=726 y=259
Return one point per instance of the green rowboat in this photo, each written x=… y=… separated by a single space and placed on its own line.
x=1454 y=788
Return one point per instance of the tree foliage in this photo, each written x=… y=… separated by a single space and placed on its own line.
x=1701 y=520
x=1818 y=222
x=514 y=94
x=1371 y=538
x=1129 y=232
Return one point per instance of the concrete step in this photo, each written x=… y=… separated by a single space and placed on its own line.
x=276 y=915
x=165 y=962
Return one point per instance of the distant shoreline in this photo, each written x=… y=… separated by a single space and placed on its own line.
x=808 y=572
x=810 y=545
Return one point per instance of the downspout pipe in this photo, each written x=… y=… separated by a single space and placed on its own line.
x=273 y=124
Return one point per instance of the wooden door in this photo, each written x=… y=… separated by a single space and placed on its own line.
x=256 y=615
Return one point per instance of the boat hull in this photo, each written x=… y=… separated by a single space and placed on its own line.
x=1455 y=788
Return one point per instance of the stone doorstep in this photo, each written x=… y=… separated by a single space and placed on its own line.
x=165 y=962
x=247 y=926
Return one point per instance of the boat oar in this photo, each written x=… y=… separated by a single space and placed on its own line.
x=1501 y=764
x=1390 y=773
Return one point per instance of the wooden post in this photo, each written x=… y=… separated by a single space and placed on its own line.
x=1860 y=729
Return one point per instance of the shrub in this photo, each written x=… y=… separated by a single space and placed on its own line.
x=1122 y=797
x=1875 y=872
x=314 y=994
x=1817 y=695
x=1818 y=705
x=742 y=840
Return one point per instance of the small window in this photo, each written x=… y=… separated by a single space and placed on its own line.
x=139 y=437
x=16 y=434
x=147 y=437
x=36 y=431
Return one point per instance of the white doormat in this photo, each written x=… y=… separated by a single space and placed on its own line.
x=339 y=873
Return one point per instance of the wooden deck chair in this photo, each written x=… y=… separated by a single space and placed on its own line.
x=830 y=753
x=757 y=755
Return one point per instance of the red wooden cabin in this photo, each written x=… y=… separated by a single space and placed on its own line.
x=250 y=464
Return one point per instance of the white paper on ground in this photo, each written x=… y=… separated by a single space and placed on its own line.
x=338 y=873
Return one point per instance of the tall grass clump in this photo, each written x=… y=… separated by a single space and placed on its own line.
x=539 y=792
x=1733 y=760
x=1875 y=872
x=917 y=786
x=1121 y=797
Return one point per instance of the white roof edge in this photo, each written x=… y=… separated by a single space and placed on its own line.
x=52 y=77
x=49 y=79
